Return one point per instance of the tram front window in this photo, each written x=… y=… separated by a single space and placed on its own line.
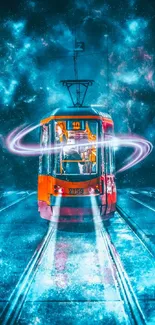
x=76 y=147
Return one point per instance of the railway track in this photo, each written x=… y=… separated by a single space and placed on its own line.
x=142 y=203
x=131 y=305
x=132 y=309
x=13 y=308
x=17 y=201
x=145 y=241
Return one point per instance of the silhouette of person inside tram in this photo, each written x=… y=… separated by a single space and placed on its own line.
x=70 y=154
x=60 y=133
x=60 y=140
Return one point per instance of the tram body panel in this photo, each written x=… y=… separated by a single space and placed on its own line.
x=75 y=190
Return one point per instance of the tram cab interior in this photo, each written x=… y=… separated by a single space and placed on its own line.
x=77 y=148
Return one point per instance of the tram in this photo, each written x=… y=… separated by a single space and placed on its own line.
x=79 y=167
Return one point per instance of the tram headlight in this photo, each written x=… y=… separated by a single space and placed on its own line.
x=93 y=190
x=58 y=189
x=61 y=190
x=97 y=191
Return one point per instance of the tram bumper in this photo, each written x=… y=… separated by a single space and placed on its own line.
x=74 y=209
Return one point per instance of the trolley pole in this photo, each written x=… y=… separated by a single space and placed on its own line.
x=81 y=85
x=76 y=69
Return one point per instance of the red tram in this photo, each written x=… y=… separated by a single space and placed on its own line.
x=79 y=167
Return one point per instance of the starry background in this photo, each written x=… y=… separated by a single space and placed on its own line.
x=37 y=39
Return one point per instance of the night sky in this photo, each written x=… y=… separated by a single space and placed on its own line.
x=37 y=39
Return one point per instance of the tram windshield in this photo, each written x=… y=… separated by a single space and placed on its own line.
x=75 y=144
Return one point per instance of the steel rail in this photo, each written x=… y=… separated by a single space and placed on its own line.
x=13 y=308
x=131 y=304
x=146 y=242
x=145 y=205
x=17 y=201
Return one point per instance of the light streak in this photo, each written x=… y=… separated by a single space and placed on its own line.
x=44 y=277
x=106 y=268
x=142 y=147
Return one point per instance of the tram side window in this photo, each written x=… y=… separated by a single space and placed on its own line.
x=110 y=160
x=45 y=158
x=76 y=150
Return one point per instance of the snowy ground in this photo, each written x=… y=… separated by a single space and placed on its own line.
x=75 y=283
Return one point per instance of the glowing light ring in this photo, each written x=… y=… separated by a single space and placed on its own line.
x=142 y=148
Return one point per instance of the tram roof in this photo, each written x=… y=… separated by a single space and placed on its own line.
x=78 y=111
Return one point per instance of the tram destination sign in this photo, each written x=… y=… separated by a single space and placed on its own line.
x=75 y=125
